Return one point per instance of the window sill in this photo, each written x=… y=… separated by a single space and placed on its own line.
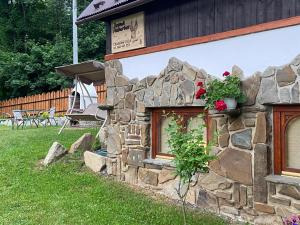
x=158 y=163
x=281 y=179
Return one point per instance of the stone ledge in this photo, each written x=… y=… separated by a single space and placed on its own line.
x=158 y=163
x=283 y=180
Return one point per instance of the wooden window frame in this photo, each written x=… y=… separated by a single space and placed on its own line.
x=156 y=121
x=208 y=38
x=282 y=115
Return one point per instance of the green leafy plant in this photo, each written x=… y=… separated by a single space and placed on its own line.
x=217 y=90
x=45 y=115
x=191 y=154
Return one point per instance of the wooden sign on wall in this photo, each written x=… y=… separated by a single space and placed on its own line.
x=128 y=33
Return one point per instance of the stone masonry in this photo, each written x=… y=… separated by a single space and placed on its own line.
x=236 y=185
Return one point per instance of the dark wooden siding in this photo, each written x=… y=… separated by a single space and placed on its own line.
x=167 y=21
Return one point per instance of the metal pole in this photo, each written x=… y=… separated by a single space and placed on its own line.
x=72 y=107
x=75 y=39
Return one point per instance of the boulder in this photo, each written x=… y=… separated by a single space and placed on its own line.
x=166 y=175
x=55 y=152
x=268 y=91
x=250 y=87
x=285 y=76
x=94 y=161
x=148 y=176
x=213 y=181
x=242 y=139
x=260 y=135
x=113 y=140
x=235 y=165
x=84 y=143
x=268 y=220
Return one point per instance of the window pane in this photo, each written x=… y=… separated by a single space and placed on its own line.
x=164 y=146
x=194 y=123
x=293 y=144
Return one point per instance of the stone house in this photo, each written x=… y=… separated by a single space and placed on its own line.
x=256 y=177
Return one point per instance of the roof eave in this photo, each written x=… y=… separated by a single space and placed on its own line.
x=113 y=11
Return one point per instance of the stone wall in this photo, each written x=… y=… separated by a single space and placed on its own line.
x=236 y=185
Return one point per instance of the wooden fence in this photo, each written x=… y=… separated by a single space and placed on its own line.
x=57 y=99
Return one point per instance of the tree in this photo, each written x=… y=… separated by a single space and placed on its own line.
x=191 y=155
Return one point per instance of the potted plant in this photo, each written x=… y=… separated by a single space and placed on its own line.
x=221 y=94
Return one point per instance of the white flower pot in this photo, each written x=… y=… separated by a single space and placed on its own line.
x=231 y=103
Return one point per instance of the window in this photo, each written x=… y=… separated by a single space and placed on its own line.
x=160 y=121
x=287 y=140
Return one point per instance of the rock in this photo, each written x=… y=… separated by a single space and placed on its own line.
x=230 y=210
x=145 y=134
x=295 y=93
x=243 y=196
x=296 y=205
x=224 y=195
x=131 y=175
x=140 y=85
x=260 y=172
x=130 y=100
x=236 y=125
x=135 y=157
x=280 y=200
x=174 y=65
x=242 y=139
x=206 y=199
x=286 y=212
x=124 y=115
x=269 y=92
x=237 y=71
x=111 y=166
x=270 y=71
x=236 y=194
x=166 y=175
x=55 y=152
x=213 y=131
x=157 y=87
x=149 y=97
x=110 y=95
x=110 y=74
x=174 y=78
x=264 y=208
x=174 y=95
x=189 y=71
x=235 y=165
x=213 y=182
x=272 y=188
x=223 y=140
x=148 y=176
x=249 y=122
x=188 y=90
x=140 y=95
x=113 y=140
x=166 y=94
x=291 y=191
x=250 y=88
x=94 y=161
x=117 y=65
x=284 y=95
x=121 y=81
x=268 y=220
x=150 y=80
x=260 y=135
x=140 y=108
x=84 y=143
x=285 y=76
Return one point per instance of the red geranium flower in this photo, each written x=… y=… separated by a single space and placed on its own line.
x=220 y=105
x=226 y=73
x=200 y=92
x=200 y=84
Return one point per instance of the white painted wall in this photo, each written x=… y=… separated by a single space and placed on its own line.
x=253 y=52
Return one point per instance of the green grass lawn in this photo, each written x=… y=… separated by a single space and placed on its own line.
x=66 y=193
